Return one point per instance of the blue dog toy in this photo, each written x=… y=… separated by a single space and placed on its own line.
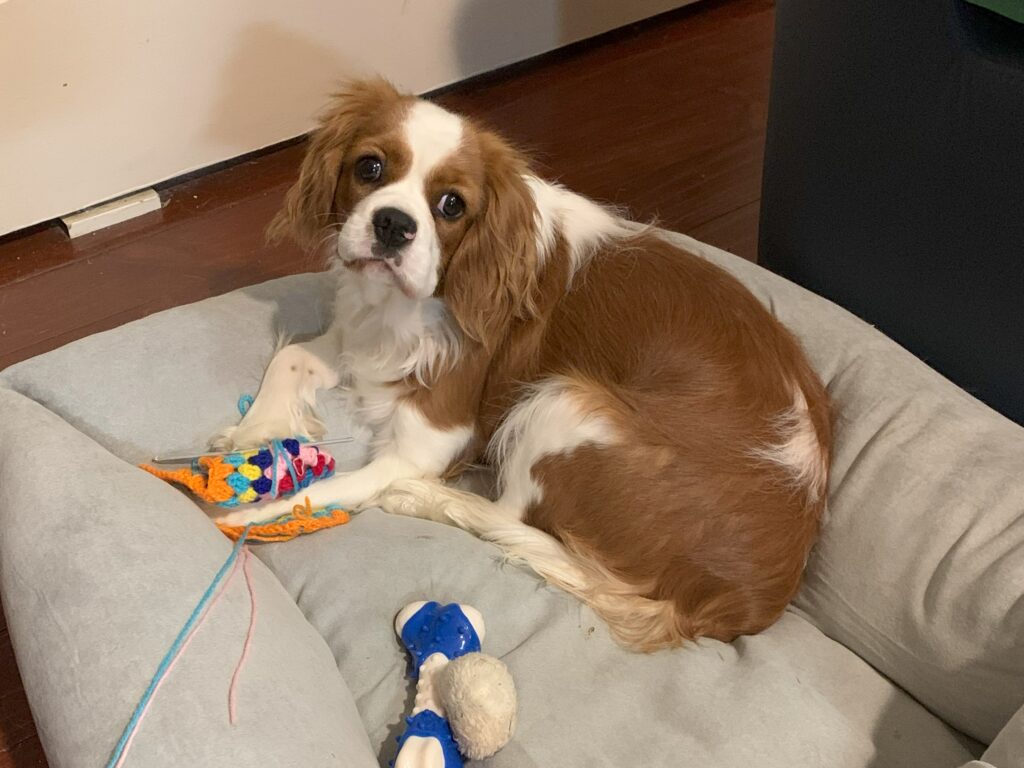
x=465 y=703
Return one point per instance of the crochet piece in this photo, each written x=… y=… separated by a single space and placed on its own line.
x=301 y=520
x=246 y=477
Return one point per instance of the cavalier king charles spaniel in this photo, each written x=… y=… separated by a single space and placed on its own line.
x=660 y=442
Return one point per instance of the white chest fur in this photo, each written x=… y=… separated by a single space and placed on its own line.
x=387 y=338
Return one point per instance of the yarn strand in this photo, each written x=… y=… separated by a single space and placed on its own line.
x=183 y=639
x=247 y=646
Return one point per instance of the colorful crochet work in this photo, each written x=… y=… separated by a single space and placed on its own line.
x=301 y=520
x=245 y=477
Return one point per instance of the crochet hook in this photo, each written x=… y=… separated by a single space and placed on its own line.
x=190 y=459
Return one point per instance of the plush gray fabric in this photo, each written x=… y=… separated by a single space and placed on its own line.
x=789 y=697
x=1007 y=750
x=910 y=573
x=162 y=383
x=100 y=565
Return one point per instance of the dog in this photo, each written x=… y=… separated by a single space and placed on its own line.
x=662 y=445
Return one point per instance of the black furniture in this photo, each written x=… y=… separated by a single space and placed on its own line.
x=894 y=177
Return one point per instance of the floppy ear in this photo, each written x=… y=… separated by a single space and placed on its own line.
x=491 y=279
x=309 y=206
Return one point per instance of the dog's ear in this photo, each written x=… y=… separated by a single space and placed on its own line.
x=492 y=276
x=309 y=207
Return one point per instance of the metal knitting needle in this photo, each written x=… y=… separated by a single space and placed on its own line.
x=190 y=459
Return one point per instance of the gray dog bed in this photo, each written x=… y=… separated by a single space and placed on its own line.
x=904 y=647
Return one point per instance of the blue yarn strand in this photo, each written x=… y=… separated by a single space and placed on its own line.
x=276 y=450
x=291 y=468
x=275 y=447
x=175 y=646
x=245 y=403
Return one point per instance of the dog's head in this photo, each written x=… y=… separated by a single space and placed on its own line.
x=414 y=199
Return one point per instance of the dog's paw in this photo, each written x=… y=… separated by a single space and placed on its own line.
x=402 y=497
x=223 y=440
x=244 y=436
x=252 y=513
x=253 y=434
x=234 y=517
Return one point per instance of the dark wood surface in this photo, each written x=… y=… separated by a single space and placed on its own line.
x=665 y=118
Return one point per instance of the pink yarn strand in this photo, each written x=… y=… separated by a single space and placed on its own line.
x=177 y=656
x=232 y=691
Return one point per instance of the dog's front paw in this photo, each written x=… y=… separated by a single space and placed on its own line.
x=253 y=513
x=223 y=440
x=253 y=434
x=234 y=517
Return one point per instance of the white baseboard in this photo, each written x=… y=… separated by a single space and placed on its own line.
x=114 y=212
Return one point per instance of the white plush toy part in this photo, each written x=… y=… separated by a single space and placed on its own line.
x=465 y=703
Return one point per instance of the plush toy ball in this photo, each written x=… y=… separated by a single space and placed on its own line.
x=479 y=697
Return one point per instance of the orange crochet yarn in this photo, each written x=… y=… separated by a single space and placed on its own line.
x=301 y=520
x=211 y=487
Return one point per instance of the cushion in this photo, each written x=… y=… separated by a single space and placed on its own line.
x=1007 y=749
x=921 y=561
x=100 y=565
x=790 y=696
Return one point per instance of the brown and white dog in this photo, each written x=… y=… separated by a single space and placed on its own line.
x=661 y=443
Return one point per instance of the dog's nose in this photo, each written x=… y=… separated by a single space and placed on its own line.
x=393 y=228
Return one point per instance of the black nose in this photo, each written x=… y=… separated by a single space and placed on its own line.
x=393 y=228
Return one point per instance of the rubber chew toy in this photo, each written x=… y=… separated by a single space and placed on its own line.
x=246 y=477
x=465 y=700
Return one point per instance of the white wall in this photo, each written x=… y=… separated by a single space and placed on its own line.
x=102 y=97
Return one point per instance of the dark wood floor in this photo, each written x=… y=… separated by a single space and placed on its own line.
x=665 y=118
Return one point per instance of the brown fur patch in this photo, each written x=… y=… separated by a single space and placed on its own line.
x=696 y=370
x=693 y=371
x=490 y=277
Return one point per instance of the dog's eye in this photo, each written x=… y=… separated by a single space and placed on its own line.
x=369 y=168
x=451 y=206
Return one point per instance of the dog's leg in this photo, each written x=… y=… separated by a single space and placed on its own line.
x=413 y=448
x=546 y=423
x=554 y=419
x=284 y=406
x=499 y=522
x=559 y=417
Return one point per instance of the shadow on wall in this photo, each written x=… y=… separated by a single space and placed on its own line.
x=260 y=93
x=486 y=30
x=496 y=31
x=501 y=32
x=274 y=73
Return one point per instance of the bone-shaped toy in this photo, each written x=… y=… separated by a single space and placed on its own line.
x=465 y=704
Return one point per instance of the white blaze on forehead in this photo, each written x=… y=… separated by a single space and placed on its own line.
x=432 y=134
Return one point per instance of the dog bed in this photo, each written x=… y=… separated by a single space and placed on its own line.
x=904 y=647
